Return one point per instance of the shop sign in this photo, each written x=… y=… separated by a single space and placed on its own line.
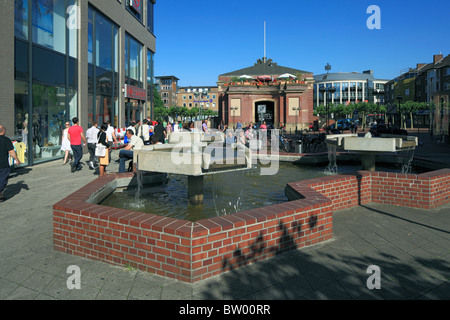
x=136 y=5
x=135 y=93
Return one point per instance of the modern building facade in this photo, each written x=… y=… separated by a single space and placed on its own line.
x=350 y=87
x=167 y=87
x=266 y=97
x=92 y=59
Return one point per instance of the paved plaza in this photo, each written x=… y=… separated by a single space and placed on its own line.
x=411 y=248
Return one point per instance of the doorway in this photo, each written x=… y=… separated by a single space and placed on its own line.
x=133 y=111
x=265 y=111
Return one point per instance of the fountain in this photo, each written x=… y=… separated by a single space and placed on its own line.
x=195 y=155
x=369 y=146
x=195 y=250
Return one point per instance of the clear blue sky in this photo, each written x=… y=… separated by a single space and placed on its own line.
x=198 y=40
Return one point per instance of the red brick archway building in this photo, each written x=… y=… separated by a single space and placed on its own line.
x=288 y=101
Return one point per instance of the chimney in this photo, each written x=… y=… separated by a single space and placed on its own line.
x=437 y=57
x=420 y=65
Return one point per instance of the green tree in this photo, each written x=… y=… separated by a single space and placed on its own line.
x=157 y=99
x=320 y=111
x=160 y=113
x=363 y=108
x=409 y=108
x=343 y=111
x=193 y=112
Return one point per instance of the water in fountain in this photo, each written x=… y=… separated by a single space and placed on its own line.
x=406 y=158
x=332 y=168
x=224 y=193
x=139 y=183
x=227 y=197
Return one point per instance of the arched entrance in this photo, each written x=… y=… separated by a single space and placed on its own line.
x=265 y=111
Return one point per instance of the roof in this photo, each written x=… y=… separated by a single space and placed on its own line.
x=166 y=77
x=445 y=62
x=344 y=76
x=262 y=67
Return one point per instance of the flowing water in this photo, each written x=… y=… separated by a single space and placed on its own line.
x=224 y=193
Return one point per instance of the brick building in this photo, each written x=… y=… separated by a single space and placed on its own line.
x=438 y=93
x=167 y=87
x=204 y=97
x=265 y=96
x=430 y=83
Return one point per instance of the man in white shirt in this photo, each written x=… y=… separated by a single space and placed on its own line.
x=144 y=132
x=110 y=134
x=176 y=127
x=91 y=137
x=134 y=143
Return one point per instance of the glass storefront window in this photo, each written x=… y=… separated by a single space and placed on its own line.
x=73 y=31
x=21 y=60
x=48 y=66
x=43 y=106
x=47 y=121
x=150 y=77
x=21 y=19
x=103 y=43
x=103 y=78
x=90 y=35
x=134 y=59
x=21 y=111
x=49 y=24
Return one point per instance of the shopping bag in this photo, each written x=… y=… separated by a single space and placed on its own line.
x=100 y=150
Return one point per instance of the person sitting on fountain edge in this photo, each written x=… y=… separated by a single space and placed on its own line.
x=134 y=143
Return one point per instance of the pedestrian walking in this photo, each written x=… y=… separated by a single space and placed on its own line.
x=110 y=132
x=91 y=137
x=102 y=138
x=65 y=144
x=6 y=150
x=76 y=136
x=160 y=133
x=144 y=132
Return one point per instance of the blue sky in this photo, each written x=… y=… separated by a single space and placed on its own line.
x=198 y=40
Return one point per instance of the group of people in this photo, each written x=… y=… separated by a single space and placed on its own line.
x=74 y=139
x=245 y=134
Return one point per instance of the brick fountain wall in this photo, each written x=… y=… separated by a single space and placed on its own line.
x=192 y=251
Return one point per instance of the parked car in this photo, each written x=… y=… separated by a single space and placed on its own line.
x=343 y=124
x=384 y=128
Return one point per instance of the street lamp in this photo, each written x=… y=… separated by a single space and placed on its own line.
x=324 y=91
x=378 y=93
x=234 y=113
x=201 y=93
x=399 y=98
x=296 y=117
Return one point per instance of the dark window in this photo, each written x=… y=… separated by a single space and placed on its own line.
x=73 y=73
x=150 y=16
x=21 y=60
x=48 y=66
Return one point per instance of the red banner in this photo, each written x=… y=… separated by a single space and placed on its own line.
x=136 y=5
x=135 y=93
